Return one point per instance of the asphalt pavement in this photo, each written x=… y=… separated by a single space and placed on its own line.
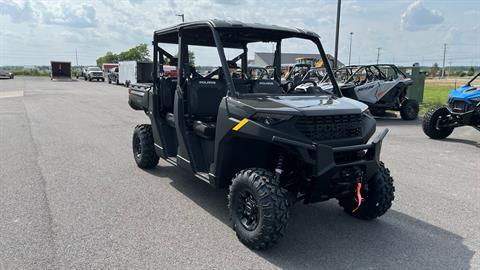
x=71 y=197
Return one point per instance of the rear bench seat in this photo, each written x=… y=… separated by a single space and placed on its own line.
x=266 y=87
x=167 y=96
x=204 y=97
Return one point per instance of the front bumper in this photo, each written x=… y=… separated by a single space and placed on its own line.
x=469 y=117
x=96 y=76
x=326 y=166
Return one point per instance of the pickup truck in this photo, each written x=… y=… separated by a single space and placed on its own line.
x=6 y=74
x=94 y=73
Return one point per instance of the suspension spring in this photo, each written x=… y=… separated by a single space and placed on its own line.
x=279 y=168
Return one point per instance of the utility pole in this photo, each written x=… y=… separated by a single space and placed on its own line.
x=444 y=53
x=378 y=54
x=450 y=68
x=181 y=15
x=350 y=51
x=335 y=62
x=76 y=56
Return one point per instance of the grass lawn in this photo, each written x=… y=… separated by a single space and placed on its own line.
x=436 y=91
x=434 y=95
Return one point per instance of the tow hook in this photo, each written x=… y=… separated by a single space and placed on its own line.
x=358 y=194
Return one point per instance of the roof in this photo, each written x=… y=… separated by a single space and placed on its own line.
x=369 y=65
x=288 y=59
x=233 y=33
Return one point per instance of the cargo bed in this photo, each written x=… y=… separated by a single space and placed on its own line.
x=138 y=95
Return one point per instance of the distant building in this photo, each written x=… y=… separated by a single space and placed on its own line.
x=288 y=59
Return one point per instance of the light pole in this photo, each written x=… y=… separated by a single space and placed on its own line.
x=378 y=54
x=444 y=53
x=350 y=51
x=339 y=5
x=181 y=15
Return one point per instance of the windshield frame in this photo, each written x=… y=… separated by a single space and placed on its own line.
x=277 y=63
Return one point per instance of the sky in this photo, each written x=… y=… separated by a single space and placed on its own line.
x=34 y=32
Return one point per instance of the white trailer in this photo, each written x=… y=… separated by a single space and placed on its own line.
x=133 y=72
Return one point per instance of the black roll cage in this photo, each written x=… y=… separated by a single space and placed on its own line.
x=377 y=67
x=177 y=33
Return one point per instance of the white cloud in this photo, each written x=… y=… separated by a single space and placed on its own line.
x=417 y=17
x=58 y=27
x=472 y=13
x=453 y=35
x=136 y=2
x=18 y=12
x=78 y=17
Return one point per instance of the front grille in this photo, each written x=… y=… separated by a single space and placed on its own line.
x=97 y=74
x=461 y=106
x=320 y=128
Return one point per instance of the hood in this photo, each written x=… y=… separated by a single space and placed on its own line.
x=303 y=105
x=465 y=92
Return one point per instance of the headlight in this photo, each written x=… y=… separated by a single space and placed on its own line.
x=270 y=119
x=475 y=99
x=367 y=112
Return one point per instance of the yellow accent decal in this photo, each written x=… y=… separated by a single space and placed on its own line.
x=240 y=124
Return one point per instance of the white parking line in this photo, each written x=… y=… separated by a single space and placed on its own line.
x=9 y=94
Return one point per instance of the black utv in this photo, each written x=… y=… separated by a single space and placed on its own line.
x=271 y=146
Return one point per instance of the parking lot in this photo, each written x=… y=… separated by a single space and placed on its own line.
x=71 y=196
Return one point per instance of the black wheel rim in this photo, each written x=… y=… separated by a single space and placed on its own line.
x=247 y=210
x=137 y=149
x=411 y=111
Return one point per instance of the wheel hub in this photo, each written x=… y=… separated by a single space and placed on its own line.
x=248 y=211
x=137 y=148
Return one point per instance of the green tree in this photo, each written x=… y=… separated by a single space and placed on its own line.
x=191 y=58
x=434 y=70
x=107 y=58
x=471 y=71
x=138 y=53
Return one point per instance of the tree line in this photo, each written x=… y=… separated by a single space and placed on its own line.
x=138 y=53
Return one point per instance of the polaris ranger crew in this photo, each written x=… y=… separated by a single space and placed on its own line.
x=270 y=146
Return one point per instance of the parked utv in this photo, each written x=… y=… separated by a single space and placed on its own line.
x=463 y=109
x=382 y=87
x=270 y=146
x=295 y=75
